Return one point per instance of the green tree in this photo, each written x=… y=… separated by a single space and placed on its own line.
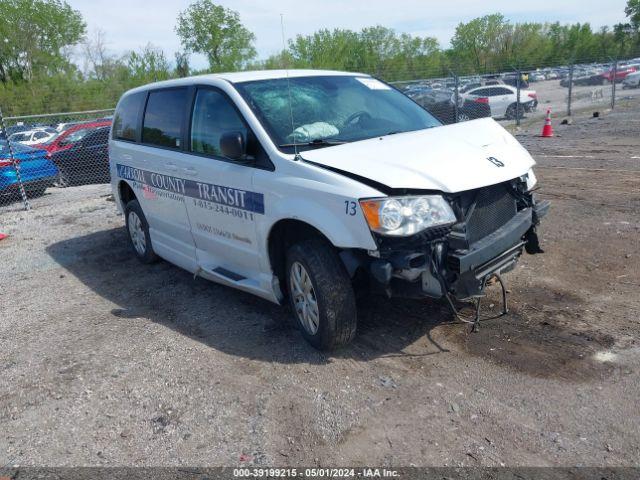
x=34 y=35
x=632 y=10
x=477 y=44
x=216 y=32
x=148 y=64
x=182 y=64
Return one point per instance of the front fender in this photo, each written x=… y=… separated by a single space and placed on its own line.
x=338 y=218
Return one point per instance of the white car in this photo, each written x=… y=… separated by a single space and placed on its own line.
x=503 y=99
x=33 y=137
x=631 y=81
x=303 y=186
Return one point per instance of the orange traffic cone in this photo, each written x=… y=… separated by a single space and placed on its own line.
x=547 y=130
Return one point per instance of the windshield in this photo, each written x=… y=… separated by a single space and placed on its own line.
x=328 y=110
x=75 y=136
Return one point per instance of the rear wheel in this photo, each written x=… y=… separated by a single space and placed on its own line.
x=138 y=230
x=63 y=180
x=321 y=294
x=510 y=114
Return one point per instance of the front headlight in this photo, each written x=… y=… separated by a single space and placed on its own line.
x=402 y=216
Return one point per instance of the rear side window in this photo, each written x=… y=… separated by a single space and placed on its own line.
x=125 y=121
x=163 y=117
x=481 y=92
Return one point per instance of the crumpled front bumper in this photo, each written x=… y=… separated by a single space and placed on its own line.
x=444 y=265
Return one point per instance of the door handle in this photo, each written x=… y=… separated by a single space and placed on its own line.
x=171 y=166
x=190 y=171
x=126 y=156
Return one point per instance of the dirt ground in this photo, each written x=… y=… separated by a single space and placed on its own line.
x=106 y=361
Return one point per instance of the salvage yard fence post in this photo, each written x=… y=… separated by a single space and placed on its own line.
x=614 y=74
x=456 y=93
x=570 y=93
x=14 y=163
x=518 y=91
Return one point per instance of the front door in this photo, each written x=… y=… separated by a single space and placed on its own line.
x=222 y=204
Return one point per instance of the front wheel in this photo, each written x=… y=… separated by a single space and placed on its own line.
x=321 y=294
x=138 y=230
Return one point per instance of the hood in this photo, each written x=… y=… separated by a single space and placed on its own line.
x=451 y=158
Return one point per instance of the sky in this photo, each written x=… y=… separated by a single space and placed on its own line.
x=131 y=24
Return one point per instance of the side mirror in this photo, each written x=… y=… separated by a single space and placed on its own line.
x=232 y=145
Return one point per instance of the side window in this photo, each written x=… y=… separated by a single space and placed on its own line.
x=213 y=116
x=503 y=91
x=39 y=135
x=125 y=121
x=482 y=92
x=162 y=125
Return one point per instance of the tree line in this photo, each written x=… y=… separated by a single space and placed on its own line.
x=49 y=62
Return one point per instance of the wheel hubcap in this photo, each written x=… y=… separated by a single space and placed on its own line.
x=137 y=233
x=304 y=298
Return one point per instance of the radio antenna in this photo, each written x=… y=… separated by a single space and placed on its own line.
x=286 y=69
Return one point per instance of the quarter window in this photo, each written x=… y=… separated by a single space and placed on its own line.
x=213 y=116
x=125 y=121
x=162 y=124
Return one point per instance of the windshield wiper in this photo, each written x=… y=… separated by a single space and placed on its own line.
x=318 y=142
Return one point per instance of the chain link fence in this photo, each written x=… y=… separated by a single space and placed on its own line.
x=57 y=155
x=52 y=153
x=525 y=94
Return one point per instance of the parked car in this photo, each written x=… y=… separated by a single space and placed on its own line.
x=33 y=137
x=72 y=134
x=36 y=171
x=441 y=104
x=583 y=79
x=503 y=99
x=512 y=79
x=537 y=77
x=363 y=188
x=632 y=80
x=620 y=74
x=85 y=160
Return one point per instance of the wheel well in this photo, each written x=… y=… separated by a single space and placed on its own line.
x=126 y=193
x=284 y=234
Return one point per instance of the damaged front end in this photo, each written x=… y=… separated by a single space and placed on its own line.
x=494 y=225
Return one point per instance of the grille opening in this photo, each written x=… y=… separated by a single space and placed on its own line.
x=495 y=206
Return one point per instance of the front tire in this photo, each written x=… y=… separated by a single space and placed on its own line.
x=321 y=294
x=138 y=229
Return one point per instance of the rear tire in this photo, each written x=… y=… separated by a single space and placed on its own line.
x=138 y=230
x=321 y=294
x=63 y=180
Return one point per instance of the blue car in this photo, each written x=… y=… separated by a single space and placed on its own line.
x=37 y=172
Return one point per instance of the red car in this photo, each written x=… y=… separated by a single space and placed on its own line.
x=620 y=75
x=71 y=135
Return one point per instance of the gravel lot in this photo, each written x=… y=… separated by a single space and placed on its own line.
x=110 y=362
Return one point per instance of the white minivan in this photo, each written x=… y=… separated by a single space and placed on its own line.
x=306 y=185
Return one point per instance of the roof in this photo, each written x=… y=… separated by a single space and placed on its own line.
x=238 y=77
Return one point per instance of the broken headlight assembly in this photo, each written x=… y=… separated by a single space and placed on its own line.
x=530 y=179
x=403 y=216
